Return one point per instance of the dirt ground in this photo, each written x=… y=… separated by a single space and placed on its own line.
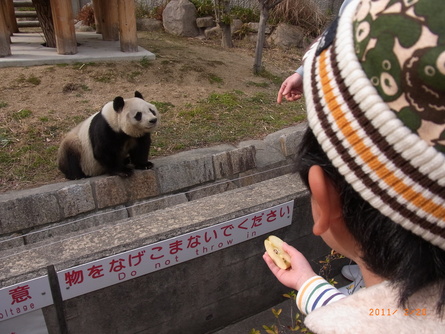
x=59 y=96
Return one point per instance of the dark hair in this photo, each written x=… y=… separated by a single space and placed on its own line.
x=390 y=251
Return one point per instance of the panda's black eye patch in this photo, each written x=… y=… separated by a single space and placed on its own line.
x=152 y=111
x=138 y=116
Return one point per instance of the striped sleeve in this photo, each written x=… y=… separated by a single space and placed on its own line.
x=316 y=292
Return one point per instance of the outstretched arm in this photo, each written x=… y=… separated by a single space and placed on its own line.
x=291 y=88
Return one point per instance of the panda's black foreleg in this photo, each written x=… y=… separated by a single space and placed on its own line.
x=108 y=147
x=139 y=153
x=115 y=165
x=113 y=162
x=70 y=165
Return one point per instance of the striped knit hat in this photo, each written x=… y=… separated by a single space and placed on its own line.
x=375 y=93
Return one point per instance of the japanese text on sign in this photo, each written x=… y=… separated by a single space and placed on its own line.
x=121 y=267
x=25 y=297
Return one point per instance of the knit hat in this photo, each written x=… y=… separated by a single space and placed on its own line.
x=375 y=93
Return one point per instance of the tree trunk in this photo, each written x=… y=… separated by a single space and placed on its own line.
x=226 y=40
x=265 y=7
x=222 y=18
x=257 y=65
x=43 y=9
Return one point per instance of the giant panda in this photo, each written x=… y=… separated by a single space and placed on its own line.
x=113 y=141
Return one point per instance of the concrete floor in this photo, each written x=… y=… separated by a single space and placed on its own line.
x=27 y=50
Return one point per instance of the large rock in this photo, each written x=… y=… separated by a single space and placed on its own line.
x=205 y=22
x=287 y=36
x=179 y=18
x=213 y=33
x=236 y=25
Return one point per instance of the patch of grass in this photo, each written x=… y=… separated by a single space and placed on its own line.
x=133 y=75
x=145 y=62
x=78 y=119
x=3 y=104
x=227 y=117
x=5 y=138
x=258 y=84
x=32 y=79
x=162 y=106
x=269 y=76
x=22 y=114
x=213 y=62
x=213 y=78
x=192 y=68
x=105 y=78
x=71 y=87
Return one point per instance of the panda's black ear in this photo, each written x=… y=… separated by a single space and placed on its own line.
x=137 y=94
x=118 y=103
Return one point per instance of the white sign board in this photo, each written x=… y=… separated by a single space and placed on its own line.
x=24 y=297
x=141 y=261
x=35 y=294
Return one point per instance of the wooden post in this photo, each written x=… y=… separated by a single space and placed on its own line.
x=97 y=16
x=127 y=26
x=5 y=42
x=45 y=16
x=109 y=20
x=11 y=21
x=64 y=27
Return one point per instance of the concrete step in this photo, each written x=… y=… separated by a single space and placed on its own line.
x=27 y=24
x=23 y=4
x=25 y=13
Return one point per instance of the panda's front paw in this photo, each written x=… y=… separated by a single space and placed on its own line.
x=124 y=172
x=147 y=165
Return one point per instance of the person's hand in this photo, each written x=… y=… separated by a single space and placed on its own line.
x=291 y=88
x=299 y=272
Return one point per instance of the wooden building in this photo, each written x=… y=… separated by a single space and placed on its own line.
x=115 y=18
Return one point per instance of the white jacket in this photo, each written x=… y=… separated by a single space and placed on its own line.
x=375 y=310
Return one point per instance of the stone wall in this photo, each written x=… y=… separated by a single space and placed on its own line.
x=33 y=215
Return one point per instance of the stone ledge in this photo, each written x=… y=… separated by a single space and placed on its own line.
x=30 y=261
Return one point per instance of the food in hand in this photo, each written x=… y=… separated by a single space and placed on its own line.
x=274 y=248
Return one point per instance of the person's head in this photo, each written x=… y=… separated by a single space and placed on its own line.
x=375 y=95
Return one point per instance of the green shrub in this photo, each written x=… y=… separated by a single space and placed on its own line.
x=245 y=14
x=204 y=7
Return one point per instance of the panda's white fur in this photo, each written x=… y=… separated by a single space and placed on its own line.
x=108 y=141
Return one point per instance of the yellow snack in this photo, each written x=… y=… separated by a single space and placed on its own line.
x=274 y=248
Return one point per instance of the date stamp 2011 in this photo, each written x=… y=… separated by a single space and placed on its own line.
x=385 y=312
